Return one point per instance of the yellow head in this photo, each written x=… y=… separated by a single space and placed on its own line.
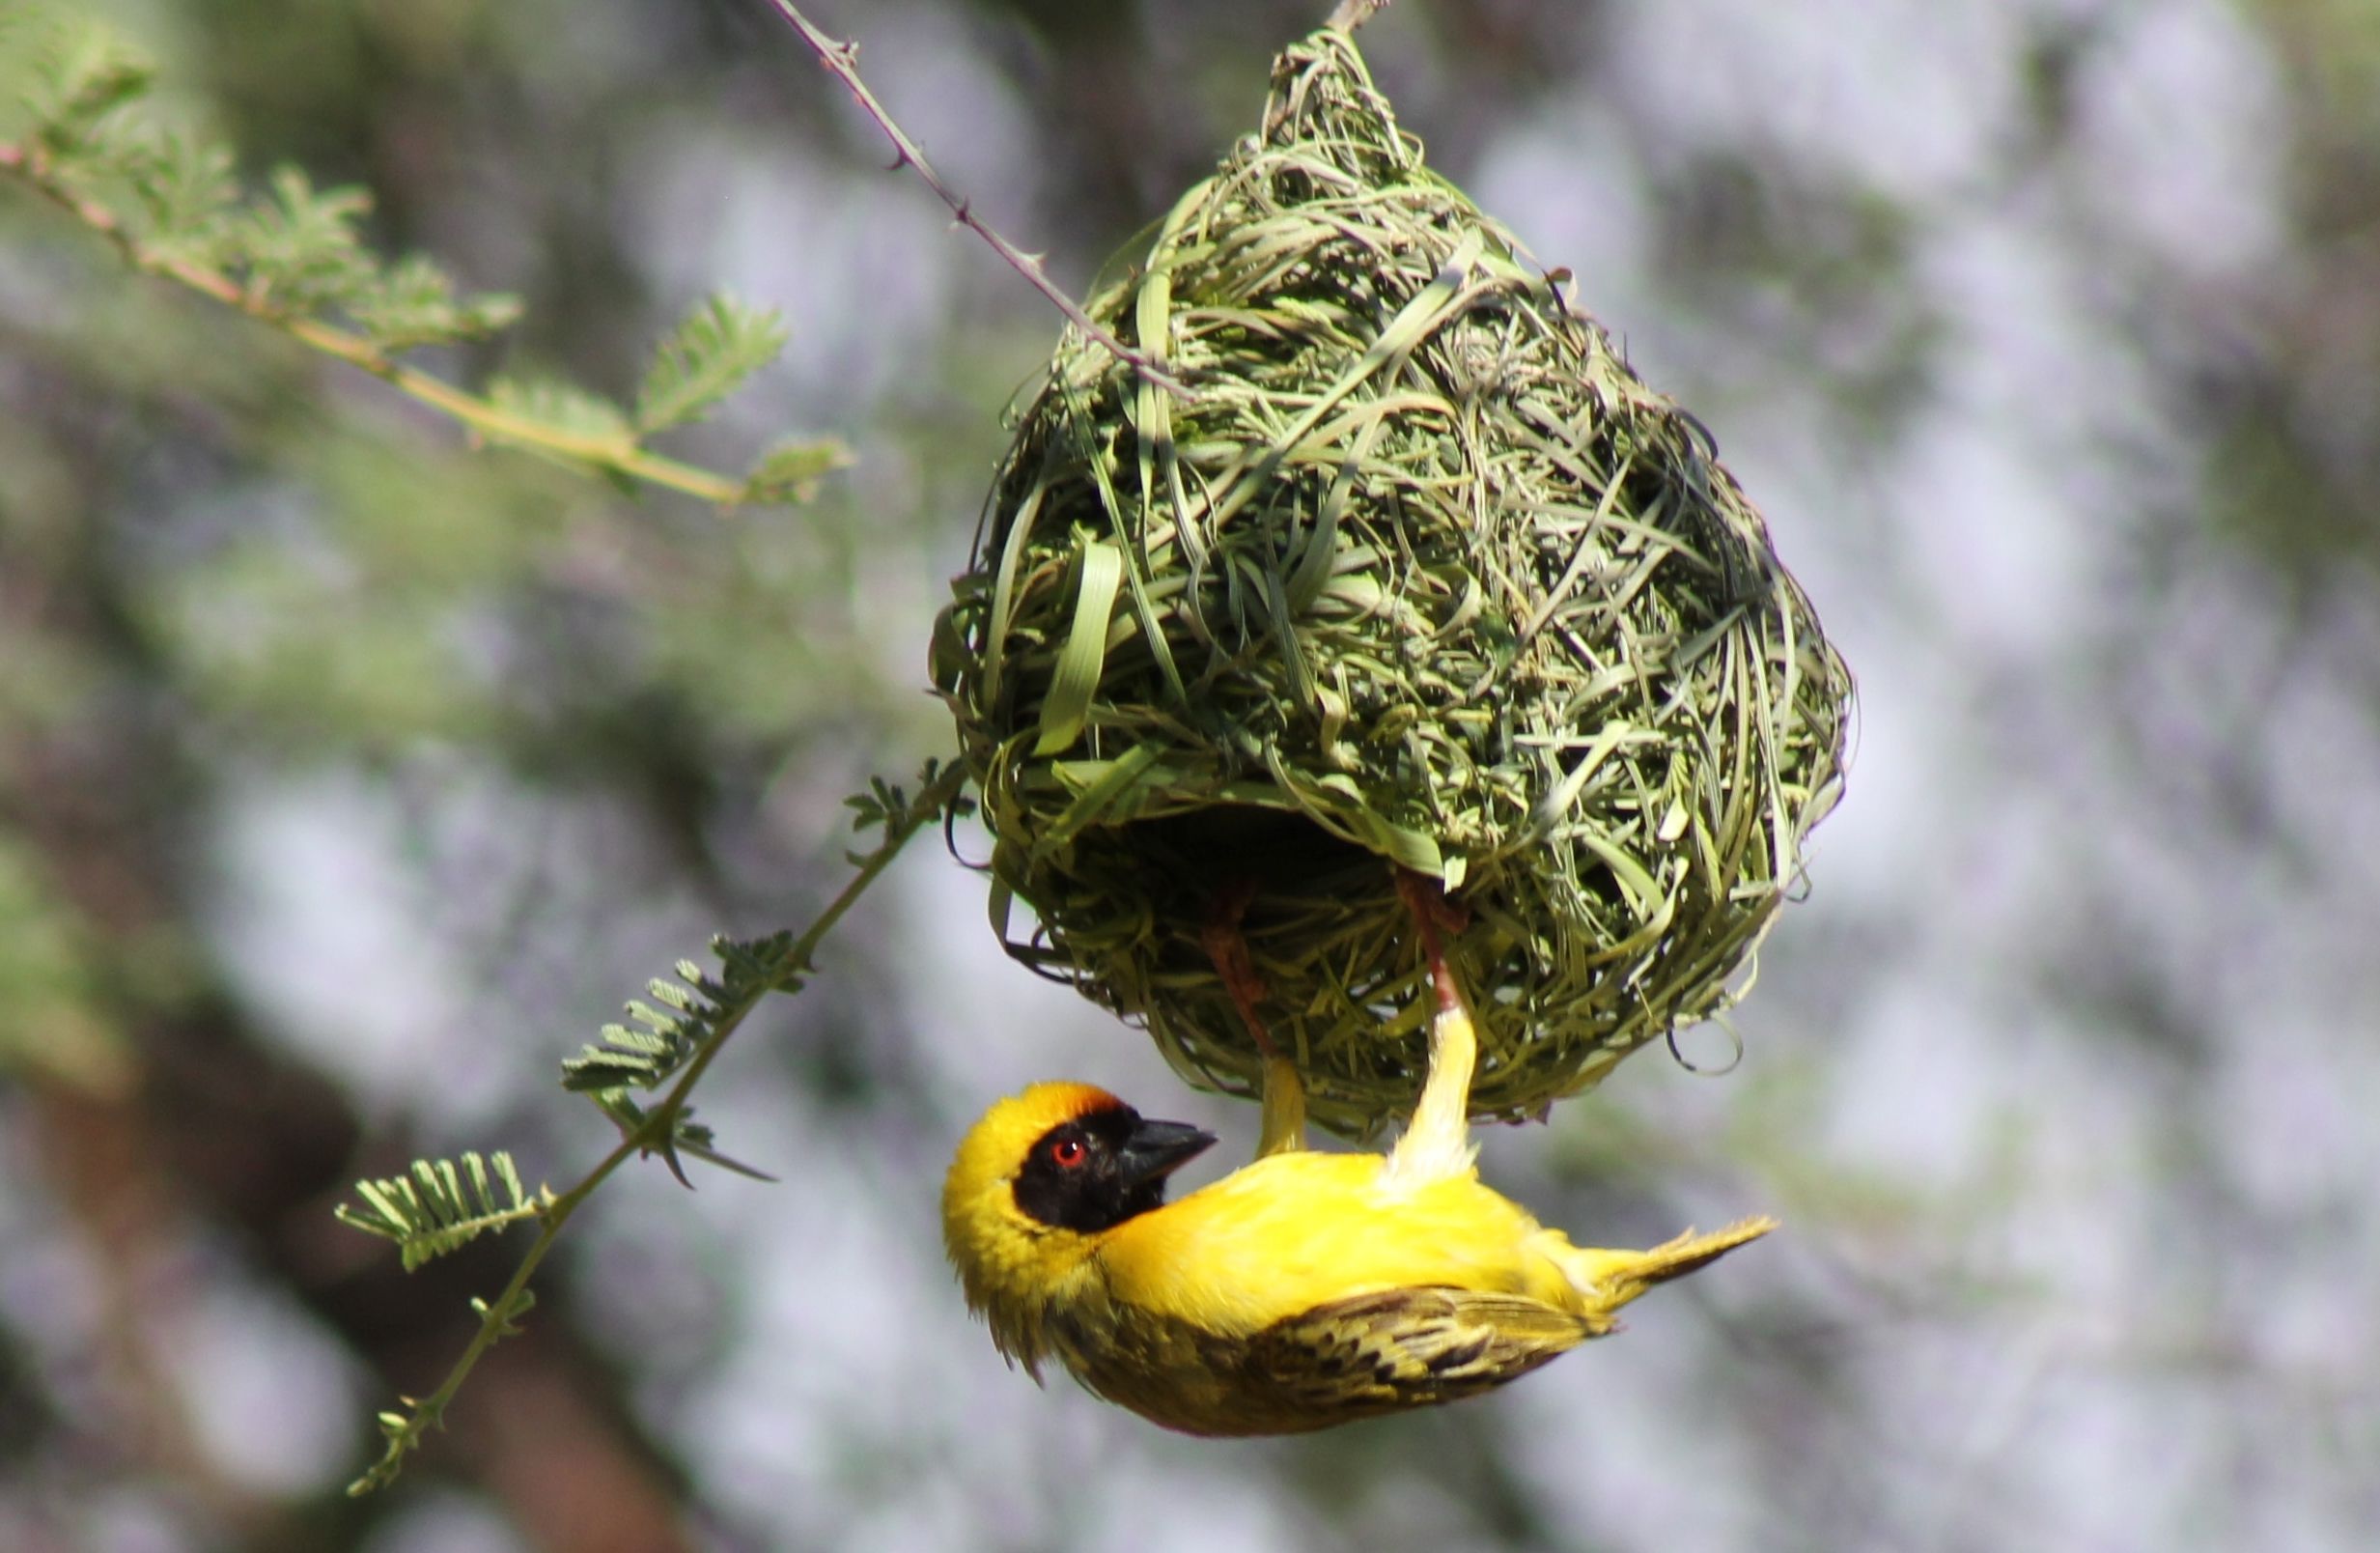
x=1035 y=1185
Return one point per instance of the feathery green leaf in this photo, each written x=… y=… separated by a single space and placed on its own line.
x=300 y=249
x=415 y=304
x=790 y=471
x=720 y=344
x=443 y=1204
x=551 y=403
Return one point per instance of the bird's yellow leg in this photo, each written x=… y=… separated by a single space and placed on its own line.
x=1283 y=1127
x=1283 y=1124
x=1437 y=1141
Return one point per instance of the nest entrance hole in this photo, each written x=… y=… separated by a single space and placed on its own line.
x=1208 y=852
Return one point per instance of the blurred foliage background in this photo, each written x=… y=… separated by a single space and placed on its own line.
x=349 y=777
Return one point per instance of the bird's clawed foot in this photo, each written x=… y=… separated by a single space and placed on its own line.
x=1434 y=917
x=1284 y=1126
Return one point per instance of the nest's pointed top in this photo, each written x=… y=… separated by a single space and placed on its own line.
x=1322 y=99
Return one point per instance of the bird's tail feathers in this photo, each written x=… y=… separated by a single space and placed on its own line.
x=1610 y=1279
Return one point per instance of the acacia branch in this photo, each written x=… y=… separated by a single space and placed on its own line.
x=842 y=61
x=653 y=1134
x=482 y=418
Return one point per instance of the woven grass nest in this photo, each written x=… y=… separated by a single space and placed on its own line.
x=1422 y=573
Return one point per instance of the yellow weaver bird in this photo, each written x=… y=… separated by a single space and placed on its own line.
x=1303 y=1290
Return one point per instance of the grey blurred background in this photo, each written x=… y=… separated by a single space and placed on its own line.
x=348 y=778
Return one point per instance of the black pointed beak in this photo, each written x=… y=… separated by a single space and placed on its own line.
x=1155 y=1150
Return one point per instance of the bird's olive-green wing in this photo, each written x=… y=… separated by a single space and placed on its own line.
x=1405 y=1347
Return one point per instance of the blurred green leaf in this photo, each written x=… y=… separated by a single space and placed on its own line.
x=712 y=352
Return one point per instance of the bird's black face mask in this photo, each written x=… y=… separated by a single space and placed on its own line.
x=1094 y=1172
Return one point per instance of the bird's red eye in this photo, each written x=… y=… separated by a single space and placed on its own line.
x=1068 y=1152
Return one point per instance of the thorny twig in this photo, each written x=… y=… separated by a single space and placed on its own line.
x=842 y=59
